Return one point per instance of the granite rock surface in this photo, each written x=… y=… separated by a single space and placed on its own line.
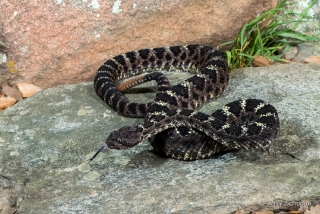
x=58 y=42
x=46 y=140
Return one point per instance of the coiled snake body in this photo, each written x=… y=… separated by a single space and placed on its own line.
x=171 y=124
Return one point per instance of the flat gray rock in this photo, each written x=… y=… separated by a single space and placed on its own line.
x=46 y=140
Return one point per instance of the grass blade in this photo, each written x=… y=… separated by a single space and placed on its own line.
x=266 y=35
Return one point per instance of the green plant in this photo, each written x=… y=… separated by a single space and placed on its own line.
x=266 y=35
x=1 y=43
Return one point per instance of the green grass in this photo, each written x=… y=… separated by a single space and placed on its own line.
x=266 y=35
x=1 y=43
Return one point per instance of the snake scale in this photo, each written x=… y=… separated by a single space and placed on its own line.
x=171 y=124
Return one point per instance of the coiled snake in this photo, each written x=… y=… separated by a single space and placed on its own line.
x=171 y=124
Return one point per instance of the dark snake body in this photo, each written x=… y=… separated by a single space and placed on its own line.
x=172 y=126
x=194 y=58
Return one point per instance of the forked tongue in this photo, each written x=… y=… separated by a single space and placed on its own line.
x=95 y=155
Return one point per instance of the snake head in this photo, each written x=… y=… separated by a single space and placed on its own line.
x=125 y=137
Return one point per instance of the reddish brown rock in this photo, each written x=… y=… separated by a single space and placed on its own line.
x=58 y=42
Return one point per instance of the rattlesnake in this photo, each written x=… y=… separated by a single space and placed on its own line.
x=170 y=120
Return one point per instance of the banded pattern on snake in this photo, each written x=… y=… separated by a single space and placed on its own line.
x=170 y=120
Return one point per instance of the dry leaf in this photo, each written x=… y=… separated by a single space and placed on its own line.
x=313 y=210
x=261 y=61
x=11 y=91
x=239 y=212
x=265 y=212
x=295 y=212
x=313 y=59
x=6 y=102
x=28 y=89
